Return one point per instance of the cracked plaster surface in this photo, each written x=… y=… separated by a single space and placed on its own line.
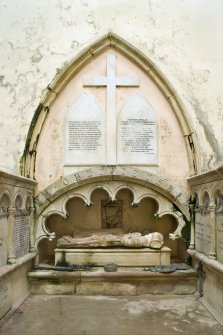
x=181 y=37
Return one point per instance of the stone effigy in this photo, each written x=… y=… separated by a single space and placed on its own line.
x=112 y=245
x=106 y=240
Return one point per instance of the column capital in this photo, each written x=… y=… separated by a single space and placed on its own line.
x=32 y=209
x=201 y=208
x=192 y=207
x=11 y=210
x=212 y=207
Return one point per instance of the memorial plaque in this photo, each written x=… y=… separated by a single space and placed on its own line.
x=137 y=133
x=3 y=239
x=203 y=233
x=84 y=133
x=21 y=235
x=219 y=235
x=5 y=299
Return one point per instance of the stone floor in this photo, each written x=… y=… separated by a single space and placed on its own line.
x=100 y=315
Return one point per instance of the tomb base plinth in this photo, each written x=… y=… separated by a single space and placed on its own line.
x=125 y=282
x=125 y=257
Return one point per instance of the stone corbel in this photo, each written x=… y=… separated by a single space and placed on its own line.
x=47 y=234
x=112 y=198
x=181 y=224
x=88 y=204
x=135 y=204
x=41 y=232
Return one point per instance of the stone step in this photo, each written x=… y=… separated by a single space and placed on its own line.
x=126 y=282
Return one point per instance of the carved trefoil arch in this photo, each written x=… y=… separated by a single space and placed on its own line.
x=53 y=200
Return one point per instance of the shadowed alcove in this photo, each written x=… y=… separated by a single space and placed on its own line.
x=105 y=214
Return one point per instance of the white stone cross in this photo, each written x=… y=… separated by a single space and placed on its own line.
x=111 y=82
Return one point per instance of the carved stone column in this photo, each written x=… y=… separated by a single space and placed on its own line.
x=212 y=208
x=192 y=226
x=31 y=230
x=11 y=256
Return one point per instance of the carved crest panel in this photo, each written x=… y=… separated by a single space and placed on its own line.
x=111 y=214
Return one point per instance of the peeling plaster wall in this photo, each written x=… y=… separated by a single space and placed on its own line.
x=182 y=37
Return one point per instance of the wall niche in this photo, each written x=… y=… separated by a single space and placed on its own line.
x=107 y=214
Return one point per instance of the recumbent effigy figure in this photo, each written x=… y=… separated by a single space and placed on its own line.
x=102 y=239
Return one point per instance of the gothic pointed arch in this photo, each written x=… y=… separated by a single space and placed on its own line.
x=70 y=69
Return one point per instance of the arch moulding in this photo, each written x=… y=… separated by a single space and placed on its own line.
x=70 y=69
x=123 y=175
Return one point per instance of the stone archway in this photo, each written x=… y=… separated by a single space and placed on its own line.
x=63 y=77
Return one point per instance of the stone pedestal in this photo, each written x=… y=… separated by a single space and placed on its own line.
x=124 y=282
x=120 y=256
